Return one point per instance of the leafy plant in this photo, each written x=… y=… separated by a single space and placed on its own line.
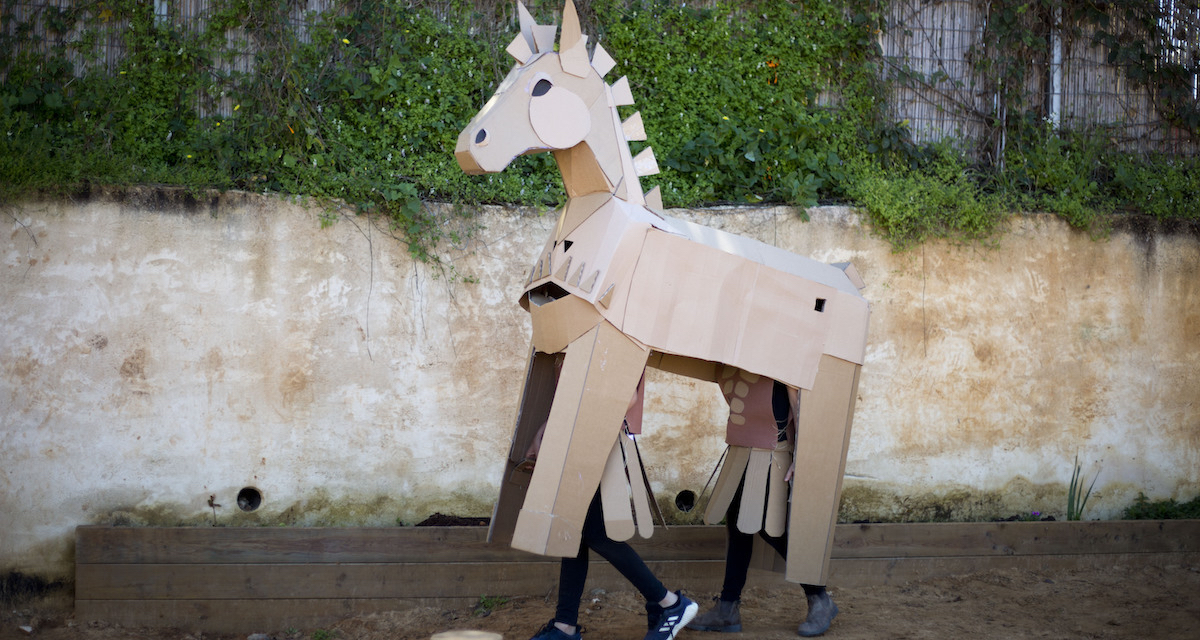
x=1145 y=509
x=1056 y=172
x=940 y=199
x=781 y=158
x=1161 y=186
x=1076 y=497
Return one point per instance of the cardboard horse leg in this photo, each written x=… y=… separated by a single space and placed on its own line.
x=599 y=375
x=536 y=397
x=822 y=438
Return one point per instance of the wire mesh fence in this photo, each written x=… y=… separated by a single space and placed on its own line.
x=935 y=51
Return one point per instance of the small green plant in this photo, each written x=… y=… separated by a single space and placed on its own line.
x=322 y=634
x=1056 y=171
x=1145 y=509
x=1076 y=497
x=488 y=604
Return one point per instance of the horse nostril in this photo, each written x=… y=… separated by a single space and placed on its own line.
x=481 y=137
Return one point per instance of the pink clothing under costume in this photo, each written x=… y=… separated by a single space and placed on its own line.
x=751 y=419
x=633 y=417
x=757 y=459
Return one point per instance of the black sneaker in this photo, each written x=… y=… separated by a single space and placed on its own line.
x=653 y=613
x=674 y=619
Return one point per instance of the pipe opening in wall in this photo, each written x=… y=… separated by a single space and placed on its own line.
x=686 y=500
x=249 y=499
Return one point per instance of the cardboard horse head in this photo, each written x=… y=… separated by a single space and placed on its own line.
x=619 y=286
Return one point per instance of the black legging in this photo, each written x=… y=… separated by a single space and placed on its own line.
x=572 y=573
x=741 y=546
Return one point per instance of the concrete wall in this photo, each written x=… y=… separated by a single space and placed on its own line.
x=156 y=351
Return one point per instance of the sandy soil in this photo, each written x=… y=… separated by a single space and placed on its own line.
x=1129 y=602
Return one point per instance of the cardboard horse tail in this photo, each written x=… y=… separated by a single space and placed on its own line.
x=619 y=286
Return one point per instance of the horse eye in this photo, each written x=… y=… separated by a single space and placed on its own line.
x=541 y=88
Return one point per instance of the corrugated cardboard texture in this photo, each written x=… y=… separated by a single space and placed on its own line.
x=540 y=378
x=822 y=436
x=693 y=300
x=599 y=375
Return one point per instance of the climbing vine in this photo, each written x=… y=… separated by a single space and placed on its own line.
x=744 y=102
x=1157 y=46
x=1039 y=165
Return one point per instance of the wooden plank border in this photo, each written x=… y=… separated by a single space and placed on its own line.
x=225 y=579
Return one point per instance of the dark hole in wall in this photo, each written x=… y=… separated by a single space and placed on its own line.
x=685 y=501
x=249 y=499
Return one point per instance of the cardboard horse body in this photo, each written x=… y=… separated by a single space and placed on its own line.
x=619 y=286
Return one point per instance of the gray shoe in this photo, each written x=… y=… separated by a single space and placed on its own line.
x=821 y=611
x=725 y=616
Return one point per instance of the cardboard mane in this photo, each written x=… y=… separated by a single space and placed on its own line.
x=620 y=286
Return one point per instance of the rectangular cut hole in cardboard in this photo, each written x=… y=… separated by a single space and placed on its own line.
x=548 y=292
x=820 y=305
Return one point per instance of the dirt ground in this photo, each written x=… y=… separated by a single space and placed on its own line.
x=1128 y=602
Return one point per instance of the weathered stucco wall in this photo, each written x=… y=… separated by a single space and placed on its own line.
x=157 y=351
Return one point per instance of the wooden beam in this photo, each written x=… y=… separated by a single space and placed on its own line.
x=226 y=579
x=928 y=540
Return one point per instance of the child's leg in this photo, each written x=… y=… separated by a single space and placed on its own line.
x=738 y=549
x=572 y=574
x=622 y=556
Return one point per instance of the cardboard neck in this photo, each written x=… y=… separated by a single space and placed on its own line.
x=601 y=163
x=581 y=171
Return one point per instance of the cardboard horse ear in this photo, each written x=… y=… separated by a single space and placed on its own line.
x=620 y=286
x=572 y=44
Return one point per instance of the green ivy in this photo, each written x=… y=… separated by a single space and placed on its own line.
x=761 y=101
x=939 y=198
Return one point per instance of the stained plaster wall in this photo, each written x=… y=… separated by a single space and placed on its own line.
x=157 y=351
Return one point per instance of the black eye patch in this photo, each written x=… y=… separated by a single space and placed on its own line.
x=542 y=87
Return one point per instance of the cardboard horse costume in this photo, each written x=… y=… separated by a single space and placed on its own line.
x=619 y=286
